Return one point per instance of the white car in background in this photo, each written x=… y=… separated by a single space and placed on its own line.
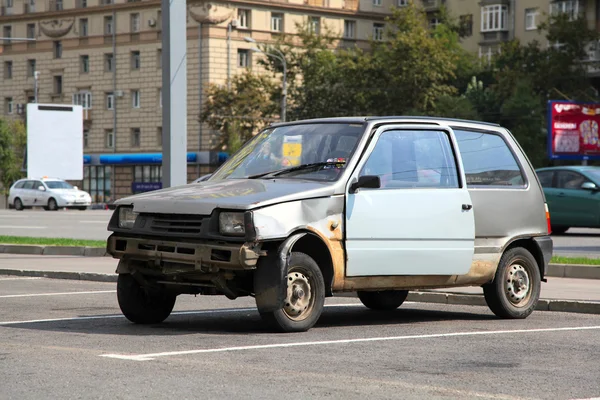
x=51 y=194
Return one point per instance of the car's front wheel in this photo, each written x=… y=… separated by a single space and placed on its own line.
x=515 y=291
x=383 y=300
x=18 y=204
x=143 y=305
x=52 y=205
x=305 y=296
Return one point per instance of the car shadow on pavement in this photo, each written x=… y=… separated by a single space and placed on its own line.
x=233 y=322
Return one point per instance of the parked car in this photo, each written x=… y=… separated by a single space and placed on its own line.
x=309 y=209
x=573 y=196
x=49 y=193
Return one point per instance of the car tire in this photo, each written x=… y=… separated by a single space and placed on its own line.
x=305 y=296
x=559 y=230
x=82 y=208
x=384 y=300
x=52 y=205
x=515 y=291
x=140 y=305
x=18 y=204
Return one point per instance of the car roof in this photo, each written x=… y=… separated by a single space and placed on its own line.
x=361 y=120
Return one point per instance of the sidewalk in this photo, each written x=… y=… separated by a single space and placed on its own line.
x=558 y=294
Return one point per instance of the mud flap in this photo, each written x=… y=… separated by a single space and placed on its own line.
x=270 y=286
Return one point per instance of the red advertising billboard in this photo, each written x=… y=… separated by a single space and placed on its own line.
x=573 y=130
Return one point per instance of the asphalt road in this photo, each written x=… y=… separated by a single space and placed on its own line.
x=91 y=224
x=67 y=339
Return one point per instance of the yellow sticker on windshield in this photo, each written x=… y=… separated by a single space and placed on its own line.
x=291 y=150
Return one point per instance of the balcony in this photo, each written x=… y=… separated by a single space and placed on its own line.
x=81 y=4
x=494 y=37
x=433 y=5
x=350 y=5
x=87 y=115
x=5 y=11
x=28 y=8
x=317 y=3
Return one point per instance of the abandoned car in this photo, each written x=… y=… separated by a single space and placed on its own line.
x=308 y=209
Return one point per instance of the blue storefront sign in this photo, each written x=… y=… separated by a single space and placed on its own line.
x=137 y=187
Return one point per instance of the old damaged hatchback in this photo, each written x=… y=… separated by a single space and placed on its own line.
x=305 y=210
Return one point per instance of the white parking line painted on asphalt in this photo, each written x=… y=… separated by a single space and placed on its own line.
x=198 y=312
x=20 y=278
x=22 y=227
x=93 y=222
x=8 y=296
x=152 y=356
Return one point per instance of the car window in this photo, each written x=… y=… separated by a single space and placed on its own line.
x=37 y=184
x=411 y=159
x=545 y=178
x=570 y=180
x=19 y=185
x=487 y=160
x=28 y=185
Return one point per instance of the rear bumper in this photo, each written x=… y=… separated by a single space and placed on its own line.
x=206 y=254
x=546 y=246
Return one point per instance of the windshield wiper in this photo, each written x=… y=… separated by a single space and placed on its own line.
x=296 y=168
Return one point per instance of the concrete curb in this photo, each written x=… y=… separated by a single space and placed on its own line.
x=78 y=276
x=573 y=271
x=53 y=250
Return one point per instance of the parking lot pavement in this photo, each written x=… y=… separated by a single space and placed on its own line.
x=71 y=224
x=68 y=339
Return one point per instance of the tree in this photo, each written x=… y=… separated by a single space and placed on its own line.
x=13 y=139
x=242 y=111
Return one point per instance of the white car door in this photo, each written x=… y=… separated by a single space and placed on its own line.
x=420 y=220
x=26 y=193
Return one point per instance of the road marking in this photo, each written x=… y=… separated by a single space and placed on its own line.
x=197 y=312
x=93 y=222
x=22 y=227
x=21 y=278
x=152 y=356
x=7 y=296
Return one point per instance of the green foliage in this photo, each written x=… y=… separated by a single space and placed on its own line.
x=13 y=139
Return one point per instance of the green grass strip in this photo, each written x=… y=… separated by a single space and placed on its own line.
x=575 y=260
x=51 y=241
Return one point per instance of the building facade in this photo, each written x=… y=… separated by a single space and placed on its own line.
x=105 y=55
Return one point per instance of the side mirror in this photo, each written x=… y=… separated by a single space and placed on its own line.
x=43 y=189
x=366 y=181
x=589 y=186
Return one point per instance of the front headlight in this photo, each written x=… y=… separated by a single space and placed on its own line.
x=232 y=223
x=127 y=217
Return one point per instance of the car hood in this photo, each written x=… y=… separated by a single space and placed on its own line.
x=240 y=194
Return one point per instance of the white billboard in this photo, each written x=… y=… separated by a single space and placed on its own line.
x=55 y=141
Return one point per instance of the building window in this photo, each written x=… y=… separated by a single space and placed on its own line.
x=135 y=60
x=110 y=101
x=136 y=137
x=109 y=62
x=83 y=98
x=277 y=22
x=8 y=105
x=147 y=173
x=434 y=22
x=7 y=33
x=135 y=22
x=86 y=138
x=8 y=69
x=109 y=138
x=378 y=32
x=9 y=3
x=30 y=99
x=466 y=25
x=135 y=98
x=30 y=31
x=160 y=97
x=83 y=27
x=31 y=67
x=569 y=7
x=377 y=3
x=159 y=58
x=58 y=5
x=243 y=58
x=85 y=64
x=58 y=84
x=402 y=3
x=57 y=49
x=531 y=15
x=314 y=24
x=243 y=18
x=494 y=18
x=349 y=29
x=108 y=25
x=159 y=139
x=487 y=53
x=81 y=4
x=97 y=182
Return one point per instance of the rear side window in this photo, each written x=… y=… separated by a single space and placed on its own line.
x=19 y=185
x=545 y=178
x=487 y=160
x=28 y=185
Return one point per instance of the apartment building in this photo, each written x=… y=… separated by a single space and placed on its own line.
x=105 y=55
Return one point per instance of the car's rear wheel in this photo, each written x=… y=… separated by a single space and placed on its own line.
x=515 y=291
x=559 y=230
x=52 y=205
x=143 y=305
x=383 y=300
x=305 y=296
x=18 y=204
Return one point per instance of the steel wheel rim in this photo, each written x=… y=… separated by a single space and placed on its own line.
x=52 y=203
x=517 y=285
x=299 y=300
x=18 y=204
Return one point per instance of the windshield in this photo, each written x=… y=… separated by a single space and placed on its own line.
x=58 y=185
x=290 y=146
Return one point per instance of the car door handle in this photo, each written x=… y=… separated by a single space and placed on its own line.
x=467 y=206
x=561 y=194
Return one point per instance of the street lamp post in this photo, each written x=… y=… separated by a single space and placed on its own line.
x=281 y=58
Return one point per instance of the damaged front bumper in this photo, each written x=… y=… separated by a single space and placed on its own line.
x=200 y=255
